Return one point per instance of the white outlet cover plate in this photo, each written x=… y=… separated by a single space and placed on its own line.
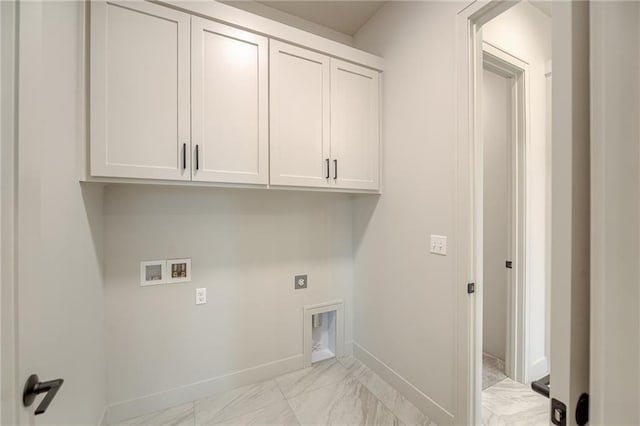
x=201 y=296
x=438 y=245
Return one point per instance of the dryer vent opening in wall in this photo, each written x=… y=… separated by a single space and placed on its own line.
x=323 y=331
x=323 y=336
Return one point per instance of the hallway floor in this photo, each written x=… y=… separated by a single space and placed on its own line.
x=511 y=403
x=506 y=402
x=342 y=391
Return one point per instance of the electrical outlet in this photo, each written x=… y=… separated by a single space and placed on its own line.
x=300 y=282
x=201 y=296
x=439 y=245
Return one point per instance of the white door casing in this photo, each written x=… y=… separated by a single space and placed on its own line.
x=469 y=195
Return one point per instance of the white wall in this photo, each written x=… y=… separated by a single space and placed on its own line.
x=59 y=222
x=405 y=297
x=497 y=136
x=246 y=246
x=266 y=11
x=525 y=32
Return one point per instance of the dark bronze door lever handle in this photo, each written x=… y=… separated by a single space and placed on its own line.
x=33 y=387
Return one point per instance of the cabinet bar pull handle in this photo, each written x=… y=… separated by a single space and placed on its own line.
x=184 y=156
x=328 y=173
x=335 y=169
x=197 y=157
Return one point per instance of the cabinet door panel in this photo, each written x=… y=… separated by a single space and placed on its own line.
x=229 y=104
x=355 y=130
x=139 y=91
x=299 y=81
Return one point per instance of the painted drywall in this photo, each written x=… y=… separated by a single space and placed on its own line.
x=525 y=32
x=59 y=222
x=245 y=247
x=496 y=127
x=264 y=10
x=404 y=296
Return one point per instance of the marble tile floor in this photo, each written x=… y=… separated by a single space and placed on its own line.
x=332 y=392
x=492 y=370
x=509 y=403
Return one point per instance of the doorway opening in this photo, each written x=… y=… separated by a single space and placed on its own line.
x=504 y=146
x=504 y=109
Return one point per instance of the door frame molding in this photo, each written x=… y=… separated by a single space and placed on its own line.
x=517 y=333
x=468 y=220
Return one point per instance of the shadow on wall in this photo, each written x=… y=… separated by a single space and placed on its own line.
x=92 y=198
x=364 y=207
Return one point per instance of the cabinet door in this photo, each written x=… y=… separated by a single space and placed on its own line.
x=139 y=91
x=299 y=82
x=355 y=128
x=229 y=95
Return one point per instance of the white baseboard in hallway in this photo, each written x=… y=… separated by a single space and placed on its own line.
x=135 y=407
x=428 y=406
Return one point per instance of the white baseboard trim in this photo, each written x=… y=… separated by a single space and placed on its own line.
x=428 y=406
x=538 y=369
x=158 y=401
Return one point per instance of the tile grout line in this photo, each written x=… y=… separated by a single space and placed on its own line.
x=314 y=389
x=357 y=379
x=394 y=412
x=287 y=400
x=378 y=399
x=236 y=398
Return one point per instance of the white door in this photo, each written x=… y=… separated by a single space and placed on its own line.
x=355 y=130
x=52 y=289
x=229 y=110
x=299 y=107
x=139 y=91
x=570 y=222
x=615 y=213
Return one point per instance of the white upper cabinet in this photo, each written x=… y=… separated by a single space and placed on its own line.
x=299 y=108
x=174 y=96
x=229 y=104
x=325 y=128
x=139 y=91
x=355 y=129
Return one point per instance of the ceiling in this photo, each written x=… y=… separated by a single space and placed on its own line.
x=346 y=17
